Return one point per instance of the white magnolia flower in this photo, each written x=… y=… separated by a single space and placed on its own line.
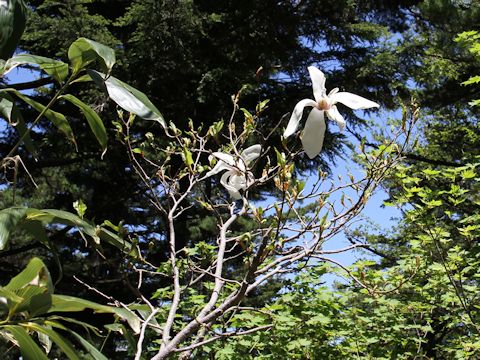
x=237 y=177
x=314 y=130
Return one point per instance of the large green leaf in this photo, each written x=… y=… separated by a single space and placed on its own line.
x=61 y=342
x=6 y=107
x=27 y=293
x=117 y=241
x=33 y=221
x=96 y=124
x=58 y=119
x=53 y=216
x=35 y=273
x=14 y=217
x=10 y=295
x=92 y=350
x=9 y=219
x=10 y=112
x=63 y=303
x=56 y=69
x=29 y=349
x=84 y=51
x=96 y=354
x=127 y=97
x=30 y=290
x=40 y=304
x=53 y=320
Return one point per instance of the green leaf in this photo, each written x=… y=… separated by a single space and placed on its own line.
x=94 y=121
x=35 y=272
x=83 y=78
x=6 y=107
x=84 y=51
x=122 y=330
x=27 y=293
x=80 y=207
x=117 y=241
x=56 y=69
x=31 y=220
x=262 y=106
x=9 y=219
x=127 y=97
x=29 y=349
x=53 y=216
x=10 y=112
x=62 y=343
x=58 y=119
x=472 y=80
x=63 y=303
x=40 y=304
x=92 y=350
x=474 y=102
x=53 y=322
x=280 y=158
x=10 y=295
x=187 y=157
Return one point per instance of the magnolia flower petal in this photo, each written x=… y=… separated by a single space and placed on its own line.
x=251 y=153
x=333 y=92
x=313 y=133
x=238 y=181
x=334 y=115
x=232 y=190
x=353 y=101
x=226 y=158
x=220 y=166
x=318 y=83
x=297 y=116
x=225 y=162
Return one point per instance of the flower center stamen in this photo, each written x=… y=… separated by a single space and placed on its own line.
x=323 y=104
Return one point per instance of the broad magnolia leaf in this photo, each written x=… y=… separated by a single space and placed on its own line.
x=96 y=124
x=35 y=273
x=63 y=303
x=61 y=342
x=14 y=217
x=34 y=221
x=30 y=293
x=58 y=119
x=29 y=349
x=9 y=219
x=53 y=216
x=92 y=350
x=97 y=355
x=10 y=295
x=56 y=69
x=127 y=97
x=84 y=51
x=6 y=108
x=57 y=322
x=40 y=304
x=9 y=112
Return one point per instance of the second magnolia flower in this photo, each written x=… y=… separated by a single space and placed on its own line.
x=314 y=129
x=237 y=175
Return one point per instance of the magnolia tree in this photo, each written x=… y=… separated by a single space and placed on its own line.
x=208 y=281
